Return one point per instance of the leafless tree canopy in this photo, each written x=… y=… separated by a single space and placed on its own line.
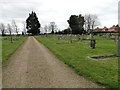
x=9 y=28
x=53 y=27
x=24 y=27
x=15 y=27
x=2 y=28
x=91 y=21
x=46 y=28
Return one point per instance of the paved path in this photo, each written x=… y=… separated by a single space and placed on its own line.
x=34 y=66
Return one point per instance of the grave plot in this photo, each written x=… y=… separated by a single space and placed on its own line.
x=104 y=57
x=75 y=56
x=117 y=54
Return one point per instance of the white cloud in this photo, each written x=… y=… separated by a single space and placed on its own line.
x=58 y=10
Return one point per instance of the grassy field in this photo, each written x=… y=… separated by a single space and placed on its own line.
x=75 y=55
x=9 y=48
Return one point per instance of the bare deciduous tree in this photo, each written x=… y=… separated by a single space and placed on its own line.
x=2 y=29
x=46 y=29
x=15 y=27
x=9 y=28
x=24 y=27
x=87 y=22
x=53 y=27
x=91 y=21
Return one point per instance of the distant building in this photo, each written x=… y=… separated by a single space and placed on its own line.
x=105 y=29
x=113 y=28
x=98 y=29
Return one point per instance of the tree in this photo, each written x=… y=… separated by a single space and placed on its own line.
x=67 y=31
x=87 y=22
x=91 y=21
x=53 y=27
x=46 y=28
x=15 y=27
x=10 y=31
x=76 y=24
x=2 y=29
x=24 y=28
x=32 y=24
x=23 y=33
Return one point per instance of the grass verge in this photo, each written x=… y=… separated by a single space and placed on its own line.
x=9 y=48
x=103 y=72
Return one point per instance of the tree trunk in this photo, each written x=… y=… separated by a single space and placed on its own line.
x=11 y=38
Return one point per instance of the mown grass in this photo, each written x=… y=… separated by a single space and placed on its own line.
x=103 y=72
x=9 y=48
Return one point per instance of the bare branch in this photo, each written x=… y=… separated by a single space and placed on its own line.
x=91 y=21
x=9 y=28
x=15 y=27
x=2 y=28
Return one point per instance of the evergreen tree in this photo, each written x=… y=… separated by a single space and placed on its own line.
x=67 y=31
x=76 y=24
x=32 y=24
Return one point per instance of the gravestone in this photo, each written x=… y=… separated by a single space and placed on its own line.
x=118 y=46
x=92 y=44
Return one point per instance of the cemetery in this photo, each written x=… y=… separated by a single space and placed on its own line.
x=9 y=48
x=93 y=53
x=97 y=64
x=96 y=58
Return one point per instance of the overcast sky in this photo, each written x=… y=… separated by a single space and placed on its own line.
x=58 y=11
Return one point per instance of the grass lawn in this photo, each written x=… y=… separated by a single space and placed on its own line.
x=9 y=48
x=103 y=72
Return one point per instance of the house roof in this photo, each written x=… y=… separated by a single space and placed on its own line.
x=105 y=28
x=115 y=28
x=98 y=28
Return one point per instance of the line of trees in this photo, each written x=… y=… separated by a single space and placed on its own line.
x=78 y=24
x=50 y=28
x=9 y=28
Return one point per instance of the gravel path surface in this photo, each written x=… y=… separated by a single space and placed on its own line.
x=34 y=66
